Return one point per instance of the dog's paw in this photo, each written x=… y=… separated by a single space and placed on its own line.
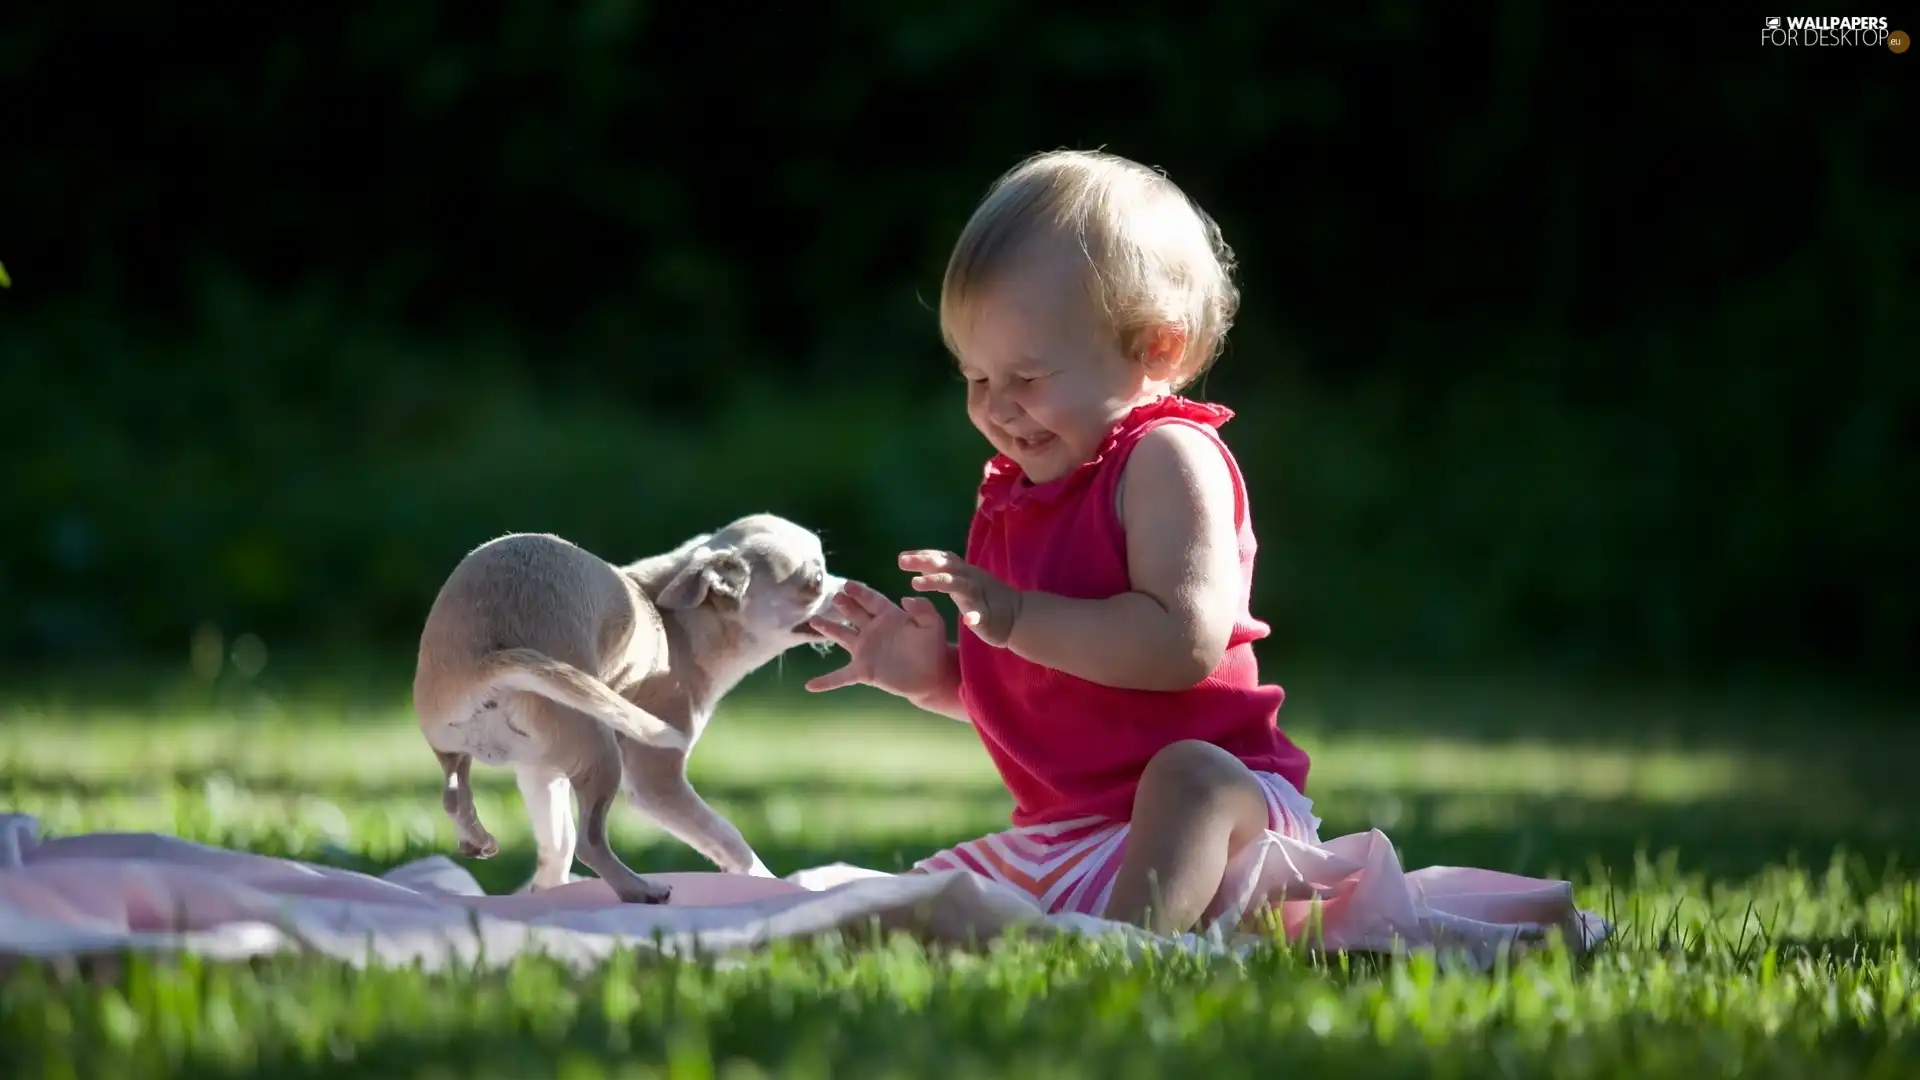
x=642 y=891
x=535 y=885
x=486 y=848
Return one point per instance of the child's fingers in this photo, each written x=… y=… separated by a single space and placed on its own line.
x=833 y=680
x=856 y=613
x=966 y=597
x=951 y=584
x=838 y=633
x=864 y=599
x=921 y=611
x=930 y=561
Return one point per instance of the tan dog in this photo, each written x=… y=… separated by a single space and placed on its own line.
x=578 y=673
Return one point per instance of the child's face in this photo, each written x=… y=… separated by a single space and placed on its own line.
x=1046 y=378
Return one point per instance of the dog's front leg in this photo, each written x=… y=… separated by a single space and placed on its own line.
x=456 y=798
x=657 y=784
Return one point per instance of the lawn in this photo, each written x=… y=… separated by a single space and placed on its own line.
x=1750 y=846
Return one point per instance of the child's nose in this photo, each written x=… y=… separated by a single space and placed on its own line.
x=1001 y=406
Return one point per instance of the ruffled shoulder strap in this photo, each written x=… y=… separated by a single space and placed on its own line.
x=1003 y=485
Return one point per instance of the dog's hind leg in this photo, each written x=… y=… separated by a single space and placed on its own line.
x=548 y=795
x=456 y=797
x=597 y=783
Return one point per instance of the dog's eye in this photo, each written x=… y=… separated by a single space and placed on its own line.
x=817 y=579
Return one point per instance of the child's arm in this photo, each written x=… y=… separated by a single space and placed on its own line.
x=945 y=698
x=1171 y=630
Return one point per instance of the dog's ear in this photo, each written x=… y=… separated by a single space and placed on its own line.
x=722 y=573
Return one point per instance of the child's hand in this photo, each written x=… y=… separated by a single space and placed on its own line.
x=899 y=649
x=988 y=606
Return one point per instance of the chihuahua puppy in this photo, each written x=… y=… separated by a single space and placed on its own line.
x=581 y=674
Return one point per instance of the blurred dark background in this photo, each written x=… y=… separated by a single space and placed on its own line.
x=1561 y=347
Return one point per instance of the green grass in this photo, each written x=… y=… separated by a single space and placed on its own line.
x=1750 y=848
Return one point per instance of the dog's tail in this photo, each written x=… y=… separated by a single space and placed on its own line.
x=534 y=672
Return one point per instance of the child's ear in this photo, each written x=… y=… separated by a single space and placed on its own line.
x=1162 y=351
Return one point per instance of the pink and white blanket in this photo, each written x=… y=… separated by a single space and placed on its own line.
x=105 y=893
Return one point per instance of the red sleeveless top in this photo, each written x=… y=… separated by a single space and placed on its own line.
x=1068 y=748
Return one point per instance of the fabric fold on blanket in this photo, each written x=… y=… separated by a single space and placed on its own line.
x=105 y=893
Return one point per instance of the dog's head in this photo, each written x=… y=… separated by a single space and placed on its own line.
x=764 y=574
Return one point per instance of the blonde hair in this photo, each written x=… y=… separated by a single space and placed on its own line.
x=1154 y=258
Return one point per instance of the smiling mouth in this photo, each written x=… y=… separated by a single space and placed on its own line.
x=1034 y=443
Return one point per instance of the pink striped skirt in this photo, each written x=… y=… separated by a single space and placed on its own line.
x=1070 y=865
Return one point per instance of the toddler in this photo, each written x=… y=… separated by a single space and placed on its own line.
x=1106 y=651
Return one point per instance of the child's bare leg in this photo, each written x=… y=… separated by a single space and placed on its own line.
x=1196 y=807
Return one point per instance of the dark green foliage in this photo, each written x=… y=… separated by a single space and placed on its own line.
x=1557 y=344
